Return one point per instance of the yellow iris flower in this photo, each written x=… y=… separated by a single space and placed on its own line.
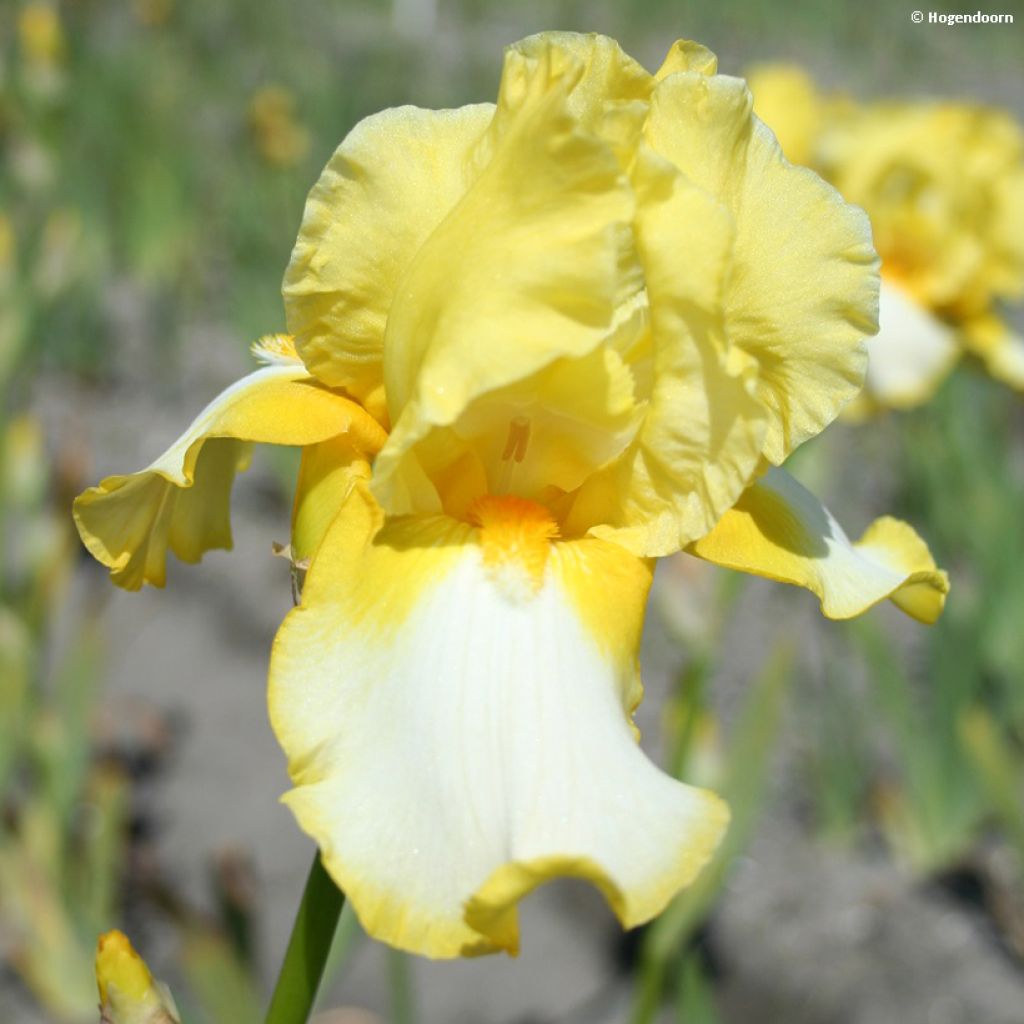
x=536 y=345
x=943 y=184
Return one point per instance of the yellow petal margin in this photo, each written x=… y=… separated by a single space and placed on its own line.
x=786 y=99
x=778 y=529
x=802 y=292
x=389 y=184
x=455 y=704
x=181 y=502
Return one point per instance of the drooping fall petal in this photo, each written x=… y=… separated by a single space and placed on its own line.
x=454 y=701
x=181 y=502
x=780 y=530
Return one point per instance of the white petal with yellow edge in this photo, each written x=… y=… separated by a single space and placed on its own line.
x=911 y=353
x=780 y=530
x=181 y=502
x=455 y=705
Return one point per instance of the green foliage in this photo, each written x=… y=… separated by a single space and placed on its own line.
x=63 y=826
x=930 y=749
x=741 y=781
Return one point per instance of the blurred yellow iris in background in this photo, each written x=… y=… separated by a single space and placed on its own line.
x=943 y=184
x=40 y=33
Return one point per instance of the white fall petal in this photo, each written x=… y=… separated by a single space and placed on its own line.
x=458 y=731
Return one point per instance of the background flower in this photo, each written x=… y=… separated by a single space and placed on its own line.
x=943 y=184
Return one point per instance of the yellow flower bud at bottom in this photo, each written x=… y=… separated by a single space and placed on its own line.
x=128 y=992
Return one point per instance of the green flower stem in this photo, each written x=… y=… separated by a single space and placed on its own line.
x=401 y=991
x=304 y=960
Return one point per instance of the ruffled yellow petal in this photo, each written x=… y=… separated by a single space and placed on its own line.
x=454 y=701
x=786 y=99
x=181 y=502
x=389 y=184
x=534 y=265
x=1001 y=349
x=911 y=354
x=703 y=428
x=803 y=290
x=686 y=55
x=608 y=77
x=780 y=530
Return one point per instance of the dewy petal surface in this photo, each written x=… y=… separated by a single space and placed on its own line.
x=780 y=530
x=389 y=184
x=454 y=702
x=911 y=353
x=803 y=291
x=181 y=502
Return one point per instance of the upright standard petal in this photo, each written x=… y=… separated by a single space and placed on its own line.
x=803 y=291
x=454 y=701
x=609 y=76
x=703 y=428
x=535 y=264
x=780 y=530
x=389 y=184
x=181 y=502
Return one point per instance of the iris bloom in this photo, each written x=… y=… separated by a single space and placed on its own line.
x=536 y=345
x=943 y=184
